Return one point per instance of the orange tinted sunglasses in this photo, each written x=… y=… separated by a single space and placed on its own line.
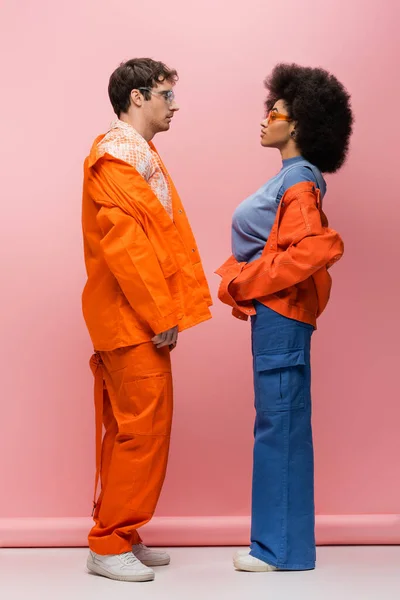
x=276 y=116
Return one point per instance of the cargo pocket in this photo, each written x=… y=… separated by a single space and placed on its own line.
x=146 y=405
x=280 y=379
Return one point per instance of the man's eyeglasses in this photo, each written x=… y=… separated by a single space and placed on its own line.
x=168 y=95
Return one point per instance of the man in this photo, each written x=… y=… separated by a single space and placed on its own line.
x=145 y=284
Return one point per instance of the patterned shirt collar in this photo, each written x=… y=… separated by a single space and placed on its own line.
x=128 y=128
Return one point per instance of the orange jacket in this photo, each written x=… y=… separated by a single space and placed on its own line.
x=144 y=270
x=291 y=277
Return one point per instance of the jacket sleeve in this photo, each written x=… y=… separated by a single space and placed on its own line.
x=133 y=262
x=309 y=246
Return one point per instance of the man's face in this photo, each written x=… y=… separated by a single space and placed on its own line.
x=160 y=109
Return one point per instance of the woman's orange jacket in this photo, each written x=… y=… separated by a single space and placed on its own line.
x=144 y=270
x=291 y=277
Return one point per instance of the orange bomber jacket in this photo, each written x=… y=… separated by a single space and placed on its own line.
x=144 y=272
x=291 y=277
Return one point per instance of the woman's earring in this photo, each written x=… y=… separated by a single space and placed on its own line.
x=293 y=134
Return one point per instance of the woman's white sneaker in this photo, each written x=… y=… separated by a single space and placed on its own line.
x=149 y=557
x=122 y=567
x=244 y=552
x=246 y=562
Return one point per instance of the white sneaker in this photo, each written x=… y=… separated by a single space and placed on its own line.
x=242 y=552
x=245 y=562
x=151 y=558
x=123 y=567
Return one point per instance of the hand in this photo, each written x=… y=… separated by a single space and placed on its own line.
x=166 y=338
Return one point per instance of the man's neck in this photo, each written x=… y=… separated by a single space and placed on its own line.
x=143 y=129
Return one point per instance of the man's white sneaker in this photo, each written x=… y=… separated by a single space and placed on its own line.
x=123 y=567
x=151 y=558
x=245 y=562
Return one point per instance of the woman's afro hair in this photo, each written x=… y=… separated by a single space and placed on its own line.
x=321 y=107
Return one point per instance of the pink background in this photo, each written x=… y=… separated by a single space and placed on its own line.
x=56 y=61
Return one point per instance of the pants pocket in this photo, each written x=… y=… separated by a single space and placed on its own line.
x=147 y=405
x=280 y=379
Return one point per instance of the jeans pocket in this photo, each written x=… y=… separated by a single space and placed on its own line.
x=280 y=379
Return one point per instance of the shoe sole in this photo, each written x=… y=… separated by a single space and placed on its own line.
x=156 y=563
x=93 y=568
x=253 y=569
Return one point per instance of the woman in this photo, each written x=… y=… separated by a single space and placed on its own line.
x=278 y=275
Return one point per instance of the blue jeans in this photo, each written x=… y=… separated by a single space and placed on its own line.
x=282 y=528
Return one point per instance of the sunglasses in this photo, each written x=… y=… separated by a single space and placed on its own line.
x=272 y=116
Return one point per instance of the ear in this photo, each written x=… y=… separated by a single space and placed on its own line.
x=136 y=98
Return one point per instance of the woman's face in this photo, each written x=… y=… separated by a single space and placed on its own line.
x=276 y=129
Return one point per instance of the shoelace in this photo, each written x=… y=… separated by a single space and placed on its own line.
x=128 y=558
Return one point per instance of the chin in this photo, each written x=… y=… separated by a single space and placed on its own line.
x=267 y=144
x=164 y=127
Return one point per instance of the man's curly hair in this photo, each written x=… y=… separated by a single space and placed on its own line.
x=320 y=105
x=136 y=73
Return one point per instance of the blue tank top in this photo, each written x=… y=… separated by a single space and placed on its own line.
x=254 y=217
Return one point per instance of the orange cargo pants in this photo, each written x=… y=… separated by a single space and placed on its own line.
x=133 y=400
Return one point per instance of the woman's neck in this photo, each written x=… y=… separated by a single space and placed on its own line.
x=287 y=153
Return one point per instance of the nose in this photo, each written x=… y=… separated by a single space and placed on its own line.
x=264 y=123
x=174 y=106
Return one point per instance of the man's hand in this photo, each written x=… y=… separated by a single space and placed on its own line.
x=167 y=338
